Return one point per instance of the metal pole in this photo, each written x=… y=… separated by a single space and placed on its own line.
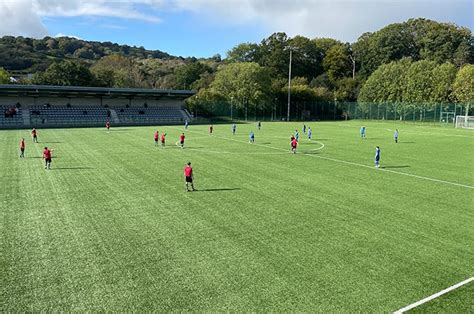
x=289 y=87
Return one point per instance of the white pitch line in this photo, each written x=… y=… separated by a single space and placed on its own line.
x=356 y=164
x=433 y=296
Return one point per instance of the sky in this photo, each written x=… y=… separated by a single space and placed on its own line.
x=203 y=28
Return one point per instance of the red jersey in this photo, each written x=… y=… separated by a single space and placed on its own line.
x=33 y=132
x=47 y=154
x=157 y=135
x=188 y=171
x=22 y=144
x=163 y=137
x=294 y=143
x=181 y=138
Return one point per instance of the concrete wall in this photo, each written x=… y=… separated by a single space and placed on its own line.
x=27 y=102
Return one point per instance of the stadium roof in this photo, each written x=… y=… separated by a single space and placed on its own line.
x=79 y=91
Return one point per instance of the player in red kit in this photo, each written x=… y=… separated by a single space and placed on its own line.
x=34 y=134
x=22 y=148
x=188 y=176
x=211 y=128
x=47 y=158
x=294 y=144
x=156 y=137
x=163 y=139
x=107 y=125
x=181 y=140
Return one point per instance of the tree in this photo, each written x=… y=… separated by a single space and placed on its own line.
x=274 y=53
x=307 y=58
x=187 y=74
x=463 y=87
x=337 y=63
x=65 y=73
x=347 y=89
x=4 y=76
x=243 y=84
x=245 y=52
x=443 y=78
x=387 y=84
x=419 y=85
x=418 y=39
x=118 y=71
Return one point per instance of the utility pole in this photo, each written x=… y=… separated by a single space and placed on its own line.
x=289 y=87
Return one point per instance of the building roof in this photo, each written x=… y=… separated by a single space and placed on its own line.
x=79 y=91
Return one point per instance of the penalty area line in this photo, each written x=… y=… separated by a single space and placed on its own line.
x=433 y=296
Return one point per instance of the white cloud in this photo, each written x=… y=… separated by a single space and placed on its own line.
x=24 y=17
x=64 y=35
x=69 y=8
x=342 y=19
x=18 y=18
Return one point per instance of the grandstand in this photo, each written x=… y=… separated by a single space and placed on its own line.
x=49 y=106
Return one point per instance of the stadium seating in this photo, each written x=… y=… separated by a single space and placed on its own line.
x=68 y=115
x=8 y=118
x=91 y=115
x=148 y=115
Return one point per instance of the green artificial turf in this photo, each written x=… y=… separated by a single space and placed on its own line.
x=111 y=227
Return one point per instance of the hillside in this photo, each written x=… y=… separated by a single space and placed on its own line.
x=29 y=55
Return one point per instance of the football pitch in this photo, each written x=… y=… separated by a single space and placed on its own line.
x=111 y=228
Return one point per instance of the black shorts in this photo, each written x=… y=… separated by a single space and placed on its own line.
x=48 y=160
x=181 y=142
x=189 y=179
x=22 y=149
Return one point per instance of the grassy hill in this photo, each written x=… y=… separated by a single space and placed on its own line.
x=29 y=55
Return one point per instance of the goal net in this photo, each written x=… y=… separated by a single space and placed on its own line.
x=465 y=122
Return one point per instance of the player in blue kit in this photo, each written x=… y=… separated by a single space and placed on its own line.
x=377 y=157
x=310 y=133
x=395 y=136
x=251 y=137
x=362 y=131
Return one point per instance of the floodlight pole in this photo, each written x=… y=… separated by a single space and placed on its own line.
x=289 y=87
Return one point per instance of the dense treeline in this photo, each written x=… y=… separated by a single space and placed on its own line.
x=32 y=55
x=418 y=85
x=416 y=62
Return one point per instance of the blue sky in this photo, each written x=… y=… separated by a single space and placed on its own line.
x=203 y=28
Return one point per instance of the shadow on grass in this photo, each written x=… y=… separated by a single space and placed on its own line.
x=71 y=168
x=394 y=167
x=216 y=190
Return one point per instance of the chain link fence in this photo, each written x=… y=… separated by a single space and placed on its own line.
x=327 y=111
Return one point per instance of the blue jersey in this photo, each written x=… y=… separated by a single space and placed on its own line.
x=310 y=133
x=252 y=136
x=395 y=135
x=297 y=135
x=377 y=154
